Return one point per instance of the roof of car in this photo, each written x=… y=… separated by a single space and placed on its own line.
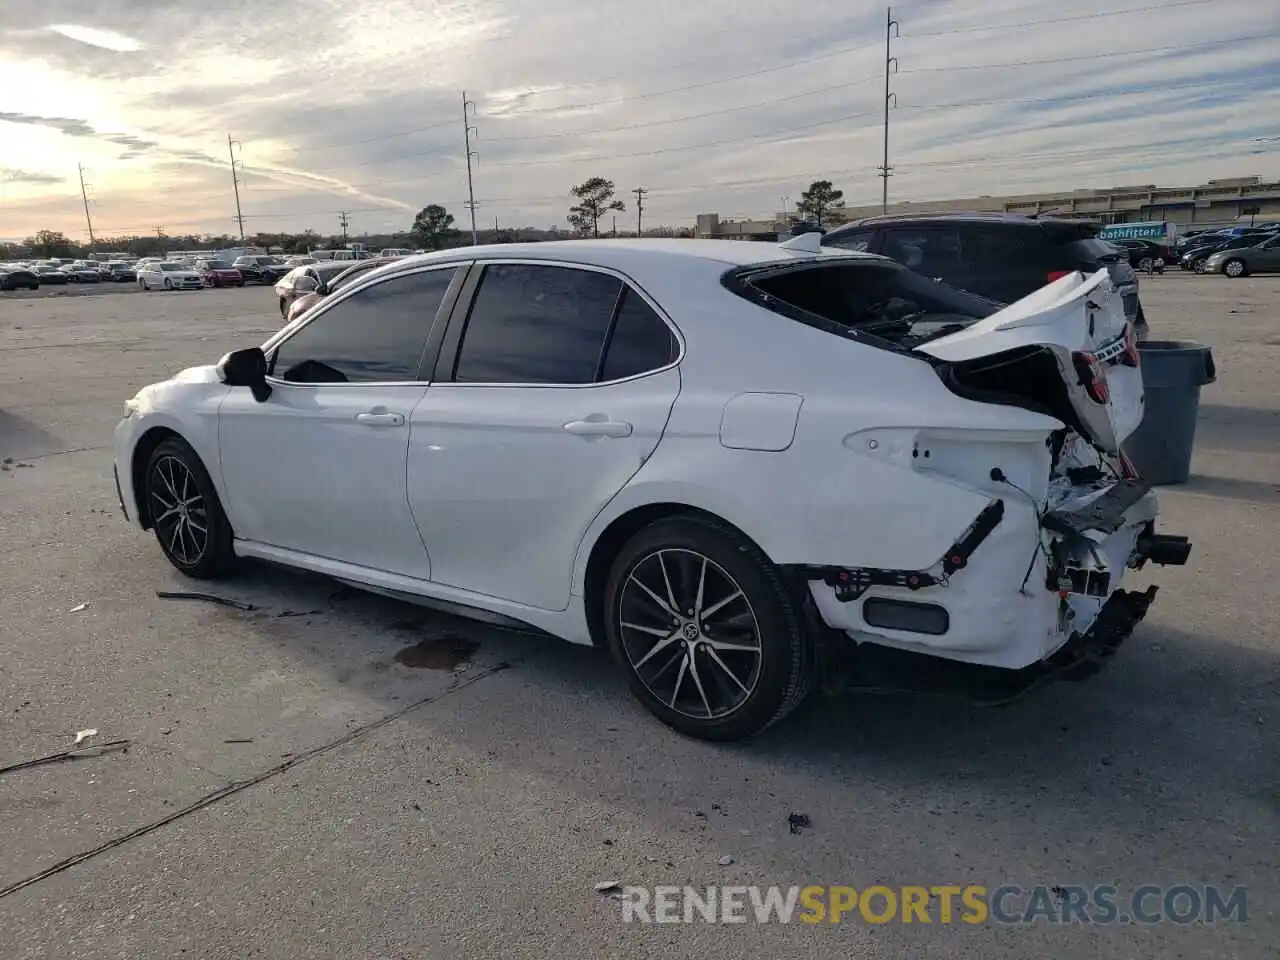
x=623 y=253
x=973 y=217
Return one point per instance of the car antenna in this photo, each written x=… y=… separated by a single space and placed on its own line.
x=804 y=243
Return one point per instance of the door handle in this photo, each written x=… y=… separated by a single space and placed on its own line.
x=380 y=419
x=598 y=426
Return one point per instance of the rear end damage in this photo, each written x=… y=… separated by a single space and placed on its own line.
x=1033 y=588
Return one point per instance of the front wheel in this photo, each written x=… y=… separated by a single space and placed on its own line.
x=185 y=512
x=1235 y=268
x=1200 y=267
x=168 y=284
x=705 y=629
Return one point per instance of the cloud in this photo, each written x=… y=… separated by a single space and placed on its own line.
x=713 y=106
x=22 y=176
x=96 y=37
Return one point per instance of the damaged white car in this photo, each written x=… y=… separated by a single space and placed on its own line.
x=745 y=469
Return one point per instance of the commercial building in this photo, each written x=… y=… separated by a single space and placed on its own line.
x=1216 y=203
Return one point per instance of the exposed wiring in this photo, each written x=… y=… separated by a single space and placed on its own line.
x=998 y=476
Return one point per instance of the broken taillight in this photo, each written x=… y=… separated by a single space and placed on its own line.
x=1092 y=376
x=1057 y=275
x=1130 y=357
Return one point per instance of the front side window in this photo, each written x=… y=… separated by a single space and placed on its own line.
x=533 y=323
x=375 y=335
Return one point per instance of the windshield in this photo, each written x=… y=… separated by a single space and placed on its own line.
x=326 y=271
x=170 y=267
x=217 y=265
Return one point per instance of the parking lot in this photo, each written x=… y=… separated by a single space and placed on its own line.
x=336 y=774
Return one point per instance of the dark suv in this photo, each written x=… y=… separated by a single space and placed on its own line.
x=1000 y=256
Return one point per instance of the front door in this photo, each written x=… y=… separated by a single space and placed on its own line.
x=559 y=391
x=320 y=466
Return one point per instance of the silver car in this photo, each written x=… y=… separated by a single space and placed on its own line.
x=1263 y=257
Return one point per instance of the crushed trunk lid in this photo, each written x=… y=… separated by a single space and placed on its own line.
x=1081 y=321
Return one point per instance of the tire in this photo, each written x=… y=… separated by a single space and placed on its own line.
x=177 y=481
x=168 y=284
x=766 y=643
x=1146 y=264
x=1235 y=268
x=1199 y=268
x=284 y=310
x=142 y=285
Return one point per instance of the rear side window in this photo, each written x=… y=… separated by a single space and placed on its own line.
x=533 y=323
x=1004 y=248
x=640 y=341
x=1093 y=249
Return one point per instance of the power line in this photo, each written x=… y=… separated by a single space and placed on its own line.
x=987 y=28
x=790 y=64
x=690 y=116
x=1179 y=48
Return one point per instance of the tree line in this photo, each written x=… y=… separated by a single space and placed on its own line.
x=433 y=228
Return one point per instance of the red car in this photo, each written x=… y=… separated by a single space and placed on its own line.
x=219 y=273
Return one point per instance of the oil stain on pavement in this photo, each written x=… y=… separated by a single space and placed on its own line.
x=438 y=653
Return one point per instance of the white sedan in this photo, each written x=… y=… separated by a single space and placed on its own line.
x=168 y=275
x=733 y=464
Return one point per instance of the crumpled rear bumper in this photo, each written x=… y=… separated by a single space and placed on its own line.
x=845 y=667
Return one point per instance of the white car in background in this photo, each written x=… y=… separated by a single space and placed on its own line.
x=733 y=464
x=169 y=275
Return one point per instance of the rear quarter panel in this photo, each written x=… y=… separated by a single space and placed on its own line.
x=841 y=493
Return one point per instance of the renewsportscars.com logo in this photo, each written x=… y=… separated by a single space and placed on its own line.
x=972 y=905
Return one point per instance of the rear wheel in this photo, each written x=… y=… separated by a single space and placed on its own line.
x=284 y=309
x=1200 y=267
x=1146 y=264
x=705 y=629
x=185 y=512
x=168 y=284
x=1235 y=268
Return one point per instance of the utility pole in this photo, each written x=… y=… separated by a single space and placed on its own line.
x=345 y=221
x=469 y=111
x=160 y=237
x=235 y=181
x=640 y=193
x=84 y=195
x=890 y=67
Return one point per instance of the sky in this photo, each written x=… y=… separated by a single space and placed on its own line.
x=727 y=106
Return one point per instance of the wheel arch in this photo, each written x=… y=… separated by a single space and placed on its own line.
x=142 y=451
x=615 y=536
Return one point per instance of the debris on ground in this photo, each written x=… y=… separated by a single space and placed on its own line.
x=798 y=821
x=83 y=735
x=609 y=886
x=245 y=740
x=83 y=753
x=206 y=597
x=78 y=607
x=298 y=613
x=725 y=861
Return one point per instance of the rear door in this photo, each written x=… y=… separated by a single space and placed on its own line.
x=1081 y=321
x=1267 y=256
x=553 y=387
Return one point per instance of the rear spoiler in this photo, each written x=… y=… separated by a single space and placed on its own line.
x=1065 y=231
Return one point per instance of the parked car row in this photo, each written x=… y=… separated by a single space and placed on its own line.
x=1234 y=253
x=32 y=274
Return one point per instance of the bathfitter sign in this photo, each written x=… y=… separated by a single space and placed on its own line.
x=1155 y=230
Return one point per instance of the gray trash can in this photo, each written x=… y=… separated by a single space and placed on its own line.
x=1172 y=374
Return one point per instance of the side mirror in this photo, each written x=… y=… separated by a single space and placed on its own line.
x=306 y=285
x=246 y=368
